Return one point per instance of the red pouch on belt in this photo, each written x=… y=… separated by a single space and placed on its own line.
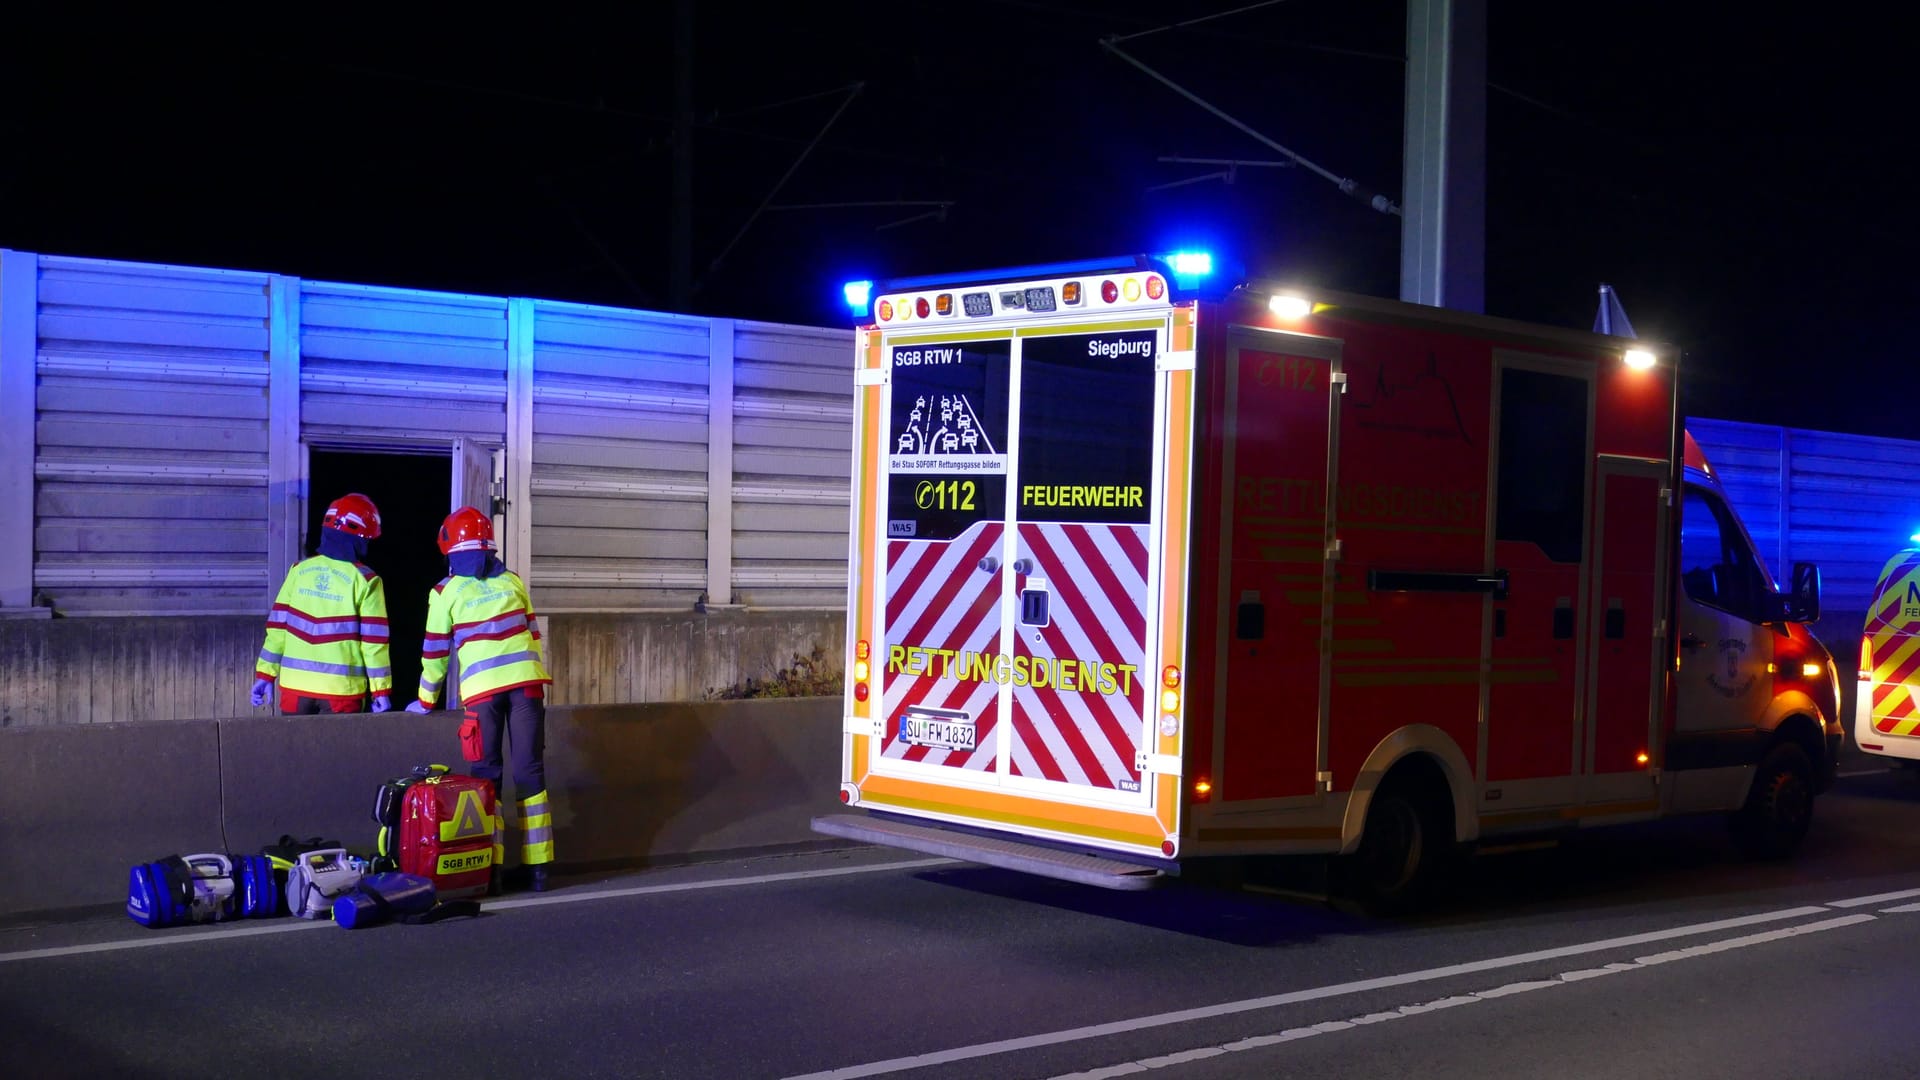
x=470 y=739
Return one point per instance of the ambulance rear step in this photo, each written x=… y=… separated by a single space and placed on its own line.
x=1006 y=854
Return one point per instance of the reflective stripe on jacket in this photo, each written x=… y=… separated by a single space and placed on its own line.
x=487 y=626
x=327 y=633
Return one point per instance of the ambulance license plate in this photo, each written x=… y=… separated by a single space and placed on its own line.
x=939 y=729
x=463 y=862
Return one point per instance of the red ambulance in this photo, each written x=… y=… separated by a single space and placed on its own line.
x=1139 y=577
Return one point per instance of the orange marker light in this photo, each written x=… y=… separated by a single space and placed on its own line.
x=1070 y=293
x=886 y=311
x=1170 y=677
x=1202 y=786
x=943 y=303
x=1641 y=758
x=860 y=650
x=1156 y=288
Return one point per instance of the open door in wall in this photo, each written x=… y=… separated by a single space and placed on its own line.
x=477 y=474
x=474 y=464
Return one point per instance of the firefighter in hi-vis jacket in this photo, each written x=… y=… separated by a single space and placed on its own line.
x=327 y=633
x=480 y=614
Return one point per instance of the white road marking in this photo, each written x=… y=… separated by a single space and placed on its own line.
x=1901 y=909
x=1877 y=898
x=206 y=935
x=202 y=937
x=571 y=897
x=1860 y=772
x=1229 y=1008
x=1131 y=1068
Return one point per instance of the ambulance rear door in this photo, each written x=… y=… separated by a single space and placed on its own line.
x=1083 y=558
x=1025 y=604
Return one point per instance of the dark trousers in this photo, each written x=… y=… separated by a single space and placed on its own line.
x=522 y=721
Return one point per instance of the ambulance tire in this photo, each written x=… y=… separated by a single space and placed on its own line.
x=1779 y=808
x=1400 y=853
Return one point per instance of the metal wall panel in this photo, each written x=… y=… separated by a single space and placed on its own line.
x=619 y=475
x=1846 y=502
x=158 y=435
x=792 y=462
x=150 y=439
x=400 y=366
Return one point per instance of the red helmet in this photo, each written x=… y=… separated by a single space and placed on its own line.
x=354 y=514
x=466 y=529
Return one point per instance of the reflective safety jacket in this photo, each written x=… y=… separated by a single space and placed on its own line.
x=487 y=626
x=327 y=633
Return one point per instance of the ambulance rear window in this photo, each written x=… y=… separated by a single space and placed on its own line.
x=1086 y=427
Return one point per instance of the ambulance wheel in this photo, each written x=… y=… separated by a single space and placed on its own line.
x=1393 y=868
x=1779 y=809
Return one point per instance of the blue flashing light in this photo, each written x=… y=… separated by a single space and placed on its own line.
x=858 y=294
x=1191 y=263
x=1915 y=538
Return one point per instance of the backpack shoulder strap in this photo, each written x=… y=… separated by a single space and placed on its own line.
x=445 y=909
x=179 y=878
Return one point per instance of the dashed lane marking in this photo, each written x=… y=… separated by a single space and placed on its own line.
x=1130 y=1068
x=1318 y=993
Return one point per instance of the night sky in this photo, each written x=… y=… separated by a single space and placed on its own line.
x=1744 y=183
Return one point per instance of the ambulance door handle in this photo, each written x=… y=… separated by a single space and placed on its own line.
x=1616 y=627
x=1688 y=641
x=988 y=564
x=1033 y=606
x=1563 y=619
x=1250 y=617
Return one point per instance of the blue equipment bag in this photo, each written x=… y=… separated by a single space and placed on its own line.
x=392 y=896
x=160 y=893
x=259 y=893
x=382 y=898
x=181 y=889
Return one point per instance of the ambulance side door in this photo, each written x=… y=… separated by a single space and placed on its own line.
x=1724 y=650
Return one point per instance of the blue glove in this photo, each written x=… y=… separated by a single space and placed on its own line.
x=381 y=703
x=418 y=706
x=261 y=688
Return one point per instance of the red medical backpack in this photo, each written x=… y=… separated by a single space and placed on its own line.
x=439 y=826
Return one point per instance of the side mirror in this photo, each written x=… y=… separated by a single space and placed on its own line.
x=1802 y=602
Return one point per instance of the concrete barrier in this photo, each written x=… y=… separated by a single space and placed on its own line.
x=80 y=805
x=630 y=785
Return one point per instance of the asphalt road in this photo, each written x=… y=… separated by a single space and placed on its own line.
x=1644 y=951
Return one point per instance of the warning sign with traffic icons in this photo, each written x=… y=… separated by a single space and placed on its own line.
x=947 y=441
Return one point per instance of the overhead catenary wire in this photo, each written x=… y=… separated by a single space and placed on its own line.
x=1347 y=185
x=1196 y=22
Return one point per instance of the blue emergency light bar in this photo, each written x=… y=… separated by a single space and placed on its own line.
x=859 y=294
x=1191 y=263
